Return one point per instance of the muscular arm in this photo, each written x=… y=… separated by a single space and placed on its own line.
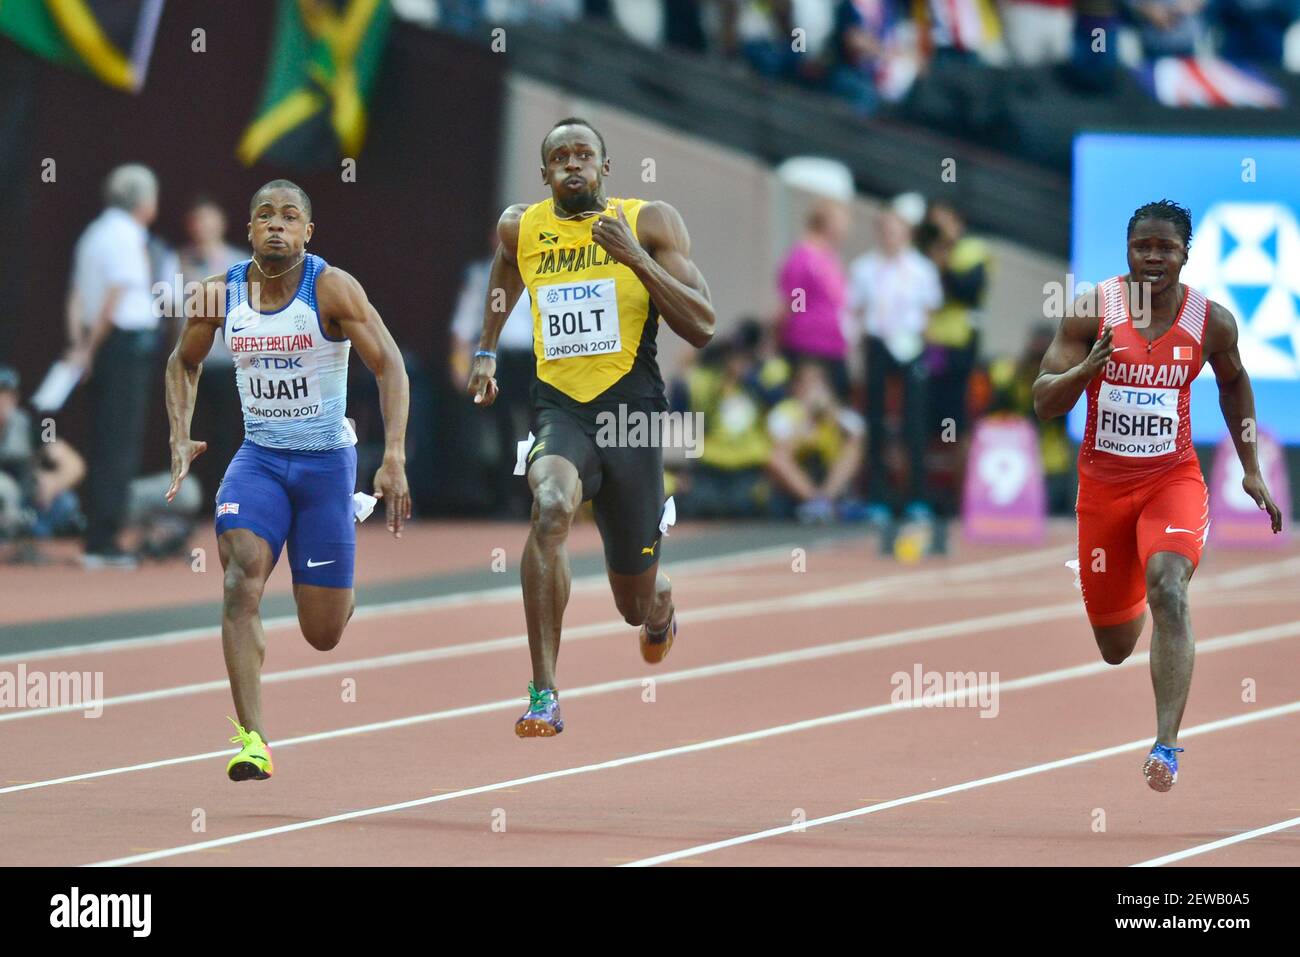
x=505 y=286
x=343 y=301
x=1237 y=402
x=203 y=316
x=1072 y=360
x=660 y=257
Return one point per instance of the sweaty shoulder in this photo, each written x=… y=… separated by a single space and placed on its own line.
x=508 y=227
x=208 y=303
x=660 y=224
x=1084 y=318
x=1220 y=328
x=339 y=296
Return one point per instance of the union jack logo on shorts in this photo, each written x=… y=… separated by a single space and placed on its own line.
x=228 y=508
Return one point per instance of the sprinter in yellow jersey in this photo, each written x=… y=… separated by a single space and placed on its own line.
x=601 y=274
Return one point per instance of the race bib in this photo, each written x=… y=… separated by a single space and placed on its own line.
x=579 y=319
x=281 y=386
x=1136 y=421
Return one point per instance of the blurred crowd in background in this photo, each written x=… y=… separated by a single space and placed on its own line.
x=852 y=401
x=855 y=400
x=869 y=52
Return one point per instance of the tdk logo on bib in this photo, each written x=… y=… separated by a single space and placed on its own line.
x=579 y=319
x=276 y=362
x=1138 y=397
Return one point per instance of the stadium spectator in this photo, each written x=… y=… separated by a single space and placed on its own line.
x=218 y=419
x=1038 y=31
x=1169 y=27
x=816 y=449
x=682 y=26
x=892 y=291
x=955 y=31
x=859 y=50
x=1252 y=30
x=728 y=479
x=951 y=336
x=760 y=32
x=113 y=328
x=812 y=287
x=516 y=368
x=36 y=478
x=1012 y=382
x=1095 y=64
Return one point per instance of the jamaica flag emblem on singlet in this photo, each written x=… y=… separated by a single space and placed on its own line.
x=548 y=239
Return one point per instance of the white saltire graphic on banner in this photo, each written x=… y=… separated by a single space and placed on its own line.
x=1246 y=256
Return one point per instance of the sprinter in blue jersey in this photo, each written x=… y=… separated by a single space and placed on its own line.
x=290 y=320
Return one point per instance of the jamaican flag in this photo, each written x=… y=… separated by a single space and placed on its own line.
x=323 y=65
x=109 y=39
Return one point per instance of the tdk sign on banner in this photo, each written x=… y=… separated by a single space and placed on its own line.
x=1244 y=196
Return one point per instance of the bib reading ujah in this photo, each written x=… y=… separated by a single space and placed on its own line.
x=579 y=319
x=282 y=386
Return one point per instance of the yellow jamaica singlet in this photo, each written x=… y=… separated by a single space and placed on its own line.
x=594 y=323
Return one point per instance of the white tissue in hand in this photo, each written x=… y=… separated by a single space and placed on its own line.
x=363 y=505
x=521 y=454
x=669 y=516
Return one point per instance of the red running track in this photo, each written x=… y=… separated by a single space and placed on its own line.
x=773 y=709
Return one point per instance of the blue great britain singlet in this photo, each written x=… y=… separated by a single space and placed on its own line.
x=292 y=378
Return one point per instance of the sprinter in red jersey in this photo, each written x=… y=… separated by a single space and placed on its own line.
x=1135 y=343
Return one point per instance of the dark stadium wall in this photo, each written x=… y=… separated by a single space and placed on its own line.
x=425 y=184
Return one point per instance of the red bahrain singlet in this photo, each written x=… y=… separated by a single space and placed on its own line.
x=1138 y=408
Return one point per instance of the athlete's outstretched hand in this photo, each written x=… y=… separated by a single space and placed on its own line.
x=482 y=384
x=390 y=486
x=184 y=453
x=614 y=235
x=1101 y=350
x=1256 y=489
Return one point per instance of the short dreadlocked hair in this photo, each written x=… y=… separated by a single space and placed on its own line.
x=1170 y=212
x=574 y=121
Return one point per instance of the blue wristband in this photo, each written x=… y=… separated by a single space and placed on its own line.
x=484 y=352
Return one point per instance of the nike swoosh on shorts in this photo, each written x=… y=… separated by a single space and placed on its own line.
x=312 y=564
x=1170 y=528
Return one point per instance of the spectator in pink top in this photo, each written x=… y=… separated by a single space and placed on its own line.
x=813 y=293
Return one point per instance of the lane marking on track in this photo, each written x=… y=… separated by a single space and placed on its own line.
x=1142 y=744
x=1027 y=616
x=838 y=594
x=1215 y=845
x=1017 y=684
x=406 y=606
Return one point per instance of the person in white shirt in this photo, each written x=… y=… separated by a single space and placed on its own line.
x=112 y=327
x=216 y=409
x=516 y=368
x=892 y=291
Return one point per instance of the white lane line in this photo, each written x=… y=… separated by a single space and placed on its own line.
x=777 y=730
x=1026 y=616
x=458 y=599
x=1142 y=744
x=839 y=594
x=1215 y=845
